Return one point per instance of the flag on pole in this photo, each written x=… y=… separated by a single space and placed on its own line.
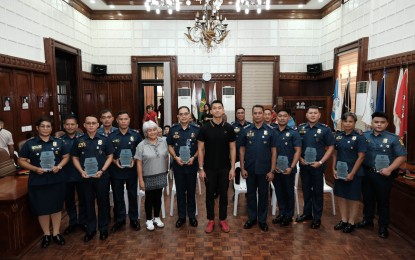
x=400 y=108
x=396 y=120
x=214 y=92
x=347 y=107
x=336 y=111
x=369 y=104
x=194 y=102
x=202 y=101
x=380 y=102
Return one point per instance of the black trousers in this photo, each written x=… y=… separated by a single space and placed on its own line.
x=376 y=190
x=312 y=186
x=119 y=202
x=284 y=189
x=75 y=217
x=153 y=202
x=186 y=192
x=217 y=180
x=97 y=189
x=257 y=208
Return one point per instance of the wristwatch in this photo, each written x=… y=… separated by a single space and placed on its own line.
x=320 y=162
x=274 y=172
x=200 y=168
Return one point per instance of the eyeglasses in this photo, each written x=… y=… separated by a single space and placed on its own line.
x=184 y=114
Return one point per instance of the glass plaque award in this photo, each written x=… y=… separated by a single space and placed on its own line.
x=125 y=157
x=381 y=161
x=342 y=170
x=310 y=154
x=47 y=160
x=91 y=166
x=282 y=163
x=184 y=153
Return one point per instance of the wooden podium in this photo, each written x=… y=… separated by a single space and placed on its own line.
x=18 y=226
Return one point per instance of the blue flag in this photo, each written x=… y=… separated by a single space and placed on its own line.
x=380 y=102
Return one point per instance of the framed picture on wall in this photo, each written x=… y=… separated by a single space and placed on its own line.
x=6 y=104
x=25 y=102
x=41 y=101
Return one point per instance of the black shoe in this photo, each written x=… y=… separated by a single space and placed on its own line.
x=59 y=239
x=89 y=236
x=135 y=225
x=193 y=222
x=83 y=227
x=278 y=219
x=263 y=227
x=303 y=218
x=349 y=228
x=315 y=224
x=69 y=229
x=341 y=225
x=180 y=222
x=383 y=232
x=249 y=224
x=117 y=226
x=365 y=223
x=46 y=241
x=286 y=221
x=103 y=235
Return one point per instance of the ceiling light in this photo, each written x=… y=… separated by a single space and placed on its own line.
x=92 y=1
x=300 y=6
x=112 y=6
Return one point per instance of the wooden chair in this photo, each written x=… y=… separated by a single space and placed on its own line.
x=7 y=166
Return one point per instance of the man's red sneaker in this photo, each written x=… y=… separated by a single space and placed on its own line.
x=224 y=226
x=210 y=226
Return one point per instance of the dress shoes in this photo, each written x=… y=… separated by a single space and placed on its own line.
x=315 y=224
x=365 y=223
x=180 y=222
x=249 y=224
x=46 y=241
x=59 y=239
x=341 y=225
x=83 y=227
x=69 y=229
x=349 y=228
x=278 y=219
x=117 y=226
x=89 y=236
x=383 y=232
x=303 y=218
x=135 y=225
x=286 y=221
x=193 y=222
x=263 y=227
x=103 y=235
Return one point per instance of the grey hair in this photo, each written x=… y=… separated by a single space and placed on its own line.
x=149 y=125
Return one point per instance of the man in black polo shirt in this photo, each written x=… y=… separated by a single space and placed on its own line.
x=217 y=153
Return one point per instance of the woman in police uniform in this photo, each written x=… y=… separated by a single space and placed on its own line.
x=348 y=157
x=45 y=156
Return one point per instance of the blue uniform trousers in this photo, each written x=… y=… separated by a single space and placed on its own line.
x=186 y=192
x=120 y=211
x=376 y=188
x=284 y=189
x=312 y=186
x=257 y=207
x=99 y=189
x=75 y=217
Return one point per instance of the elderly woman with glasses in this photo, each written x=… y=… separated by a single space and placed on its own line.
x=152 y=159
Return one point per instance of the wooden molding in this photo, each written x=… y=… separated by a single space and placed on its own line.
x=396 y=60
x=330 y=7
x=24 y=64
x=215 y=76
x=306 y=76
x=109 y=77
x=79 y=6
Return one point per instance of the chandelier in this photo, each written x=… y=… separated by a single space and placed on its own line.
x=210 y=29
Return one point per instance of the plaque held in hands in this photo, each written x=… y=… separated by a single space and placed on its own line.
x=125 y=157
x=91 y=166
x=47 y=160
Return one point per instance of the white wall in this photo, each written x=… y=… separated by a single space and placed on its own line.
x=389 y=24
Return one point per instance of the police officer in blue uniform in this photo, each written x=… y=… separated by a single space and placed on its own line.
x=317 y=147
x=258 y=155
x=106 y=119
x=92 y=155
x=73 y=181
x=347 y=171
x=268 y=118
x=238 y=126
x=182 y=141
x=385 y=153
x=45 y=156
x=125 y=141
x=289 y=151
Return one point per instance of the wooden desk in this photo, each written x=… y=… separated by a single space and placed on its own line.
x=19 y=228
